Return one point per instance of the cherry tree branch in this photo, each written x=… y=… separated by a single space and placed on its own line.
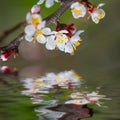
x=53 y=18
x=8 y=32
x=14 y=44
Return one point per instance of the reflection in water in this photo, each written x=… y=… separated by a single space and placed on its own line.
x=8 y=71
x=73 y=111
x=64 y=112
x=83 y=98
x=66 y=79
x=59 y=95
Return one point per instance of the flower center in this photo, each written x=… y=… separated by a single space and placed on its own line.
x=38 y=32
x=61 y=38
x=35 y=20
x=77 y=12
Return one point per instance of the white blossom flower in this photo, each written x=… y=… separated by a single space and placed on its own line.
x=73 y=42
x=34 y=19
x=78 y=10
x=42 y=32
x=62 y=41
x=48 y=4
x=36 y=30
x=57 y=39
x=97 y=14
x=37 y=33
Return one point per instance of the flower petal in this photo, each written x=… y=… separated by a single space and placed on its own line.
x=35 y=9
x=61 y=46
x=50 y=44
x=30 y=30
x=49 y=3
x=41 y=25
x=100 y=5
x=41 y=39
x=75 y=38
x=28 y=17
x=97 y=15
x=28 y=38
x=68 y=48
x=40 y=2
x=46 y=31
x=74 y=5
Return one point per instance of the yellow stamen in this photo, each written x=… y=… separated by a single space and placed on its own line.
x=15 y=55
x=60 y=40
x=100 y=16
x=77 y=12
x=38 y=32
x=35 y=20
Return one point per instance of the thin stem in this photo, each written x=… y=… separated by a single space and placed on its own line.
x=53 y=18
x=14 y=44
x=8 y=32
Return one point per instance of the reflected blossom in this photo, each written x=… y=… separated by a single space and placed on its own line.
x=83 y=98
x=66 y=79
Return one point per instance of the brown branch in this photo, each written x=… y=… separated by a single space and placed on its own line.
x=8 y=32
x=14 y=44
x=53 y=18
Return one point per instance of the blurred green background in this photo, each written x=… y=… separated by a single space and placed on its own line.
x=97 y=59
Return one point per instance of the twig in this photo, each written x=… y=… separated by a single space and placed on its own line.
x=14 y=44
x=53 y=18
x=8 y=32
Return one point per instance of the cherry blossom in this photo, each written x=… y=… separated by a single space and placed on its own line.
x=78 y=10
x=65 y=40
x=35 y=30
x=66 y=79
x=97 y=13
x=48 y=3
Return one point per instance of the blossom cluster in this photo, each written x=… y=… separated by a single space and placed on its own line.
x=80 y=9
x=66 y=79
x=37 y=88
x=35 y=29
x=65 y=38
x=83 y=98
